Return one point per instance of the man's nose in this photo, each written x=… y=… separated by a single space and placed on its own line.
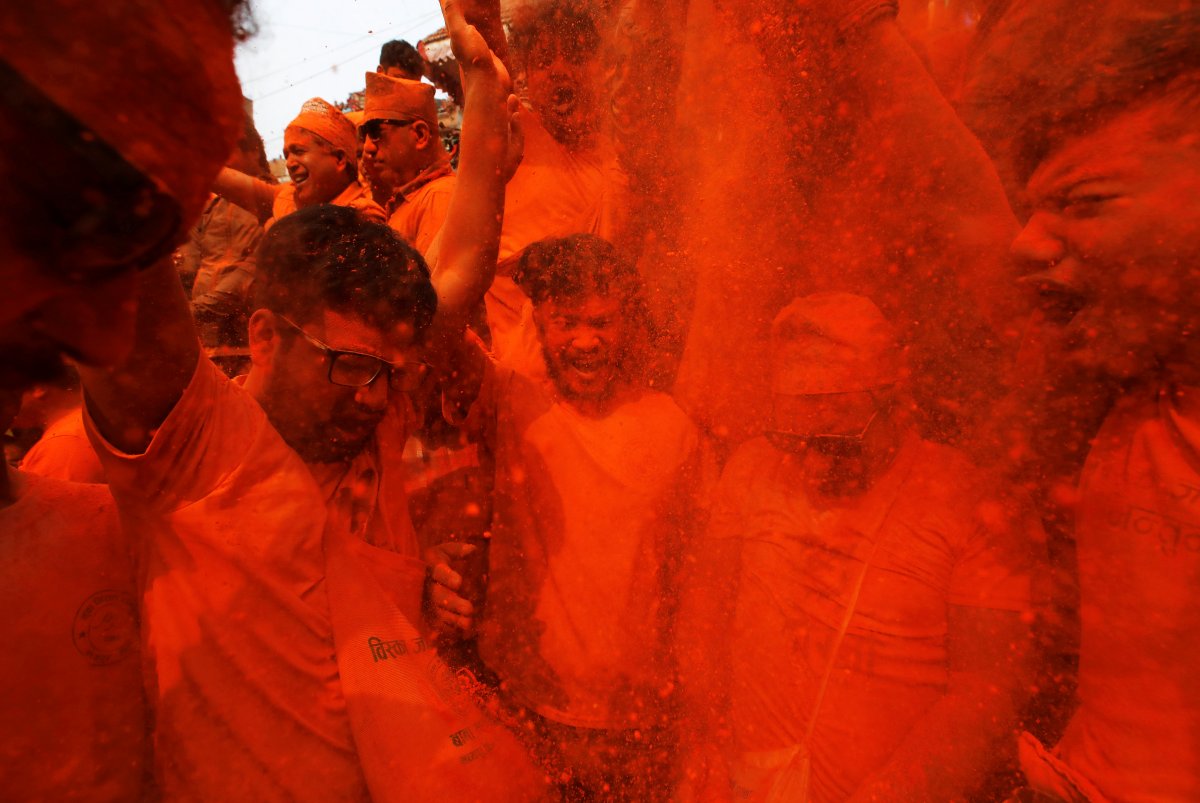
x=369 y=148
x=586 y=340
x=1037 y=245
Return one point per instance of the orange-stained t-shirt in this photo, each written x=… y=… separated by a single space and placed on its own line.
x=354 y=196
x=420 y=206
x=229 y=523
x=588 y=514
x=946 y=541
x=1136 y=733
x=71 y=686
x=64 y=452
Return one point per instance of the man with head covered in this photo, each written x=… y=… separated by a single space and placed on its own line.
x=139 y=105
x=404 y=158
x=320 y=148
x=1112 y=250
x=859 y=608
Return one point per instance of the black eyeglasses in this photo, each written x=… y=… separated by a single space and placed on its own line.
x=354 y=369
x=374 y=128
x=107 y=217
x=842 y=446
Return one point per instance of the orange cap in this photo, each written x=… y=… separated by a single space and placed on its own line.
x=153 y=79
x=326 y=121
x=833 y=343
x=399 y=99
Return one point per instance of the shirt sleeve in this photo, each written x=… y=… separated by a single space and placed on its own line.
x=201 y=444
x=996 y=564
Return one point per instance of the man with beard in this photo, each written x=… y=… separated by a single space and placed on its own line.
x=139 y=105
x=595 y=478
x=404 y=158
x=321 y=148
x=858 y=620
x=281 y=592
x=1112 y=248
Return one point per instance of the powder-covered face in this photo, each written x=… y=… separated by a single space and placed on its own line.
x=584 y=342
x=561 y=81
x=326 y=422
x=318 y=173
x=1112 y=247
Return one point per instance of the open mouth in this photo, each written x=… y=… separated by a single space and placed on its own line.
x=587 y=369
x=1058 y=303
x=562 y=100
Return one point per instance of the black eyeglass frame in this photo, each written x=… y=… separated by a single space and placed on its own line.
x=412 y=374
x=372 y=129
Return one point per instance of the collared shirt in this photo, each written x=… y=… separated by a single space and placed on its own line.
x=354 y=196
x=418 y=209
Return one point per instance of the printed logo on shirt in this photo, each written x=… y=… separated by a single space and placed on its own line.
x=106 y=627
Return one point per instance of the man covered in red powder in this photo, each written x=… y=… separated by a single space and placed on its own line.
x=596 y=477
x=321 y=148
x=1112 y=249
x=404 y=158
x=281 y=591
x=138 y=103
x=858 y=622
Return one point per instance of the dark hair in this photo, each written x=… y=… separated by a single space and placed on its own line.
x=331 y=257
x=1156 y=59
x=241 y=18
x=575 y=266
x=399 y=53
x=568 y=25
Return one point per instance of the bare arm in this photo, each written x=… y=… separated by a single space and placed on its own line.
x=485 y=16
x=471 y=233
x=953 y=747
x=130 y=400
x=254 y=195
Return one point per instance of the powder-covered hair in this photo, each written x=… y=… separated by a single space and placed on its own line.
x=1158 y=59
x=331 y=257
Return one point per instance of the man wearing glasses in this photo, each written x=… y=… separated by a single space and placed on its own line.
x=873 y=632
x=281 y=594
x=404 y=158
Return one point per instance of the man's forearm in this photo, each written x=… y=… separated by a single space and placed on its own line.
x=254 y=195
x=129 y=401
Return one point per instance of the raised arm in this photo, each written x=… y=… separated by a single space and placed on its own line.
x=466 y=262
x=129 y=401
x=485 y=16
x=252 y=194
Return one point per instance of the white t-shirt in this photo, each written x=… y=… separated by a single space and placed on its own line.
x=591 y=514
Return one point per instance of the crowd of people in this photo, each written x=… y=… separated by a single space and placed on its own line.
x=378 y=484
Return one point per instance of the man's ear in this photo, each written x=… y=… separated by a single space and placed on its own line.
x=264 y=337
x=342 y=158
x=422 y=133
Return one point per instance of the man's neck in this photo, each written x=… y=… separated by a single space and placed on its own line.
x=603 y=406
